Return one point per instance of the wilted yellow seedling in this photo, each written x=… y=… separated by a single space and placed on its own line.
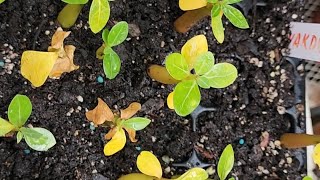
x=102 y=115
x=316 y=155
x=36 y=66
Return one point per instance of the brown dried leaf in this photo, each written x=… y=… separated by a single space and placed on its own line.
x=111 y=133
x=130 y=111
x=65 y=63
x=58 y=38
x=100 y=113
x=132 y=134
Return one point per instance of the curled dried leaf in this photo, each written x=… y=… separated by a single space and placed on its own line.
x=110 y=134
x=58 y=38
x=160 y=74
x=130 y=111
x=132 y=134
x=65 y=63
x=100 y=113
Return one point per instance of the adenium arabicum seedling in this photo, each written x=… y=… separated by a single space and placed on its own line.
x=19 y=111
x=102 y=115
x=98 y=15
x=226 y=162
x=194 y=67
x=219 y=8
x=150 y=167
x=114 y=37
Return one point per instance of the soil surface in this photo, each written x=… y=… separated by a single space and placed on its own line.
x=247 y=109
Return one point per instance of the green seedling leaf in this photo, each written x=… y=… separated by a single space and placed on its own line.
x=204 y=63
x=118 y=33
x=5 y=127
x=194 y=174
x=307 y=178
x=203 y=82
x=235 y=16
x=19 y=110
x=216 y=9
x=105 y=34
x=99 y=15
x=186 y=97
x=69 y=15
x=1 y=1
x=75 y=1
x=19 y=137
x=226 y=162
x=177 y=66
x=137 y=123
x=217 y=28
x=38 y=139
x=222 y=75
x=231 y=1
x=111 y=63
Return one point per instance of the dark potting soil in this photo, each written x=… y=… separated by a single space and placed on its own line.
x=246 y=109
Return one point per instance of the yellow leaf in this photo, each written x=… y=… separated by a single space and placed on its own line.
x=110 y=134
x=149 y=164
x=100 y=113
x=193 y=48
x=132 y=134
x=116 y=144
x=160 y=74
x=65 y=63
x=170 y=100
x=137 y=176
x=187 y=5
x=99 y=52
x=36 y=66
x=69 y=14
x=316 y=155
x=130 y=111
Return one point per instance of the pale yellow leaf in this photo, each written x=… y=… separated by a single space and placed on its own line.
x=36 y=66
x=130 y=111
x=132 y=134
x=138 y=176
x=149 y=164
x=193 y=48
x=170 y=100
x=100 y=113
x=187 y=5
x=316 y=155
x=117 y=143
x=65 y=63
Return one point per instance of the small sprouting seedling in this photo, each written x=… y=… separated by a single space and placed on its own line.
x=226 y=162
x=114 y=37
x=19 y=111
x=98 y=15
x=150 y=166
x=192 y=68
x=102 y=115
x=218 y=9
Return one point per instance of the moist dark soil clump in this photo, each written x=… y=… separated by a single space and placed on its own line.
x=247 y=109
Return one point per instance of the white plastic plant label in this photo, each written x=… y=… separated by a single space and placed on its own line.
x=305 y=41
